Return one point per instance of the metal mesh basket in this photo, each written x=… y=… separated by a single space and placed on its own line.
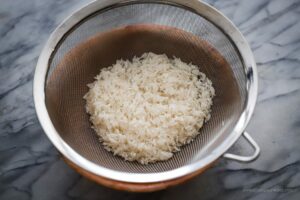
x=105 y=31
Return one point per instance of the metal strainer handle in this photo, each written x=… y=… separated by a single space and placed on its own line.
x=245 y=158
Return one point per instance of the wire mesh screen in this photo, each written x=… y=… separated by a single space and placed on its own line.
x=131 y=30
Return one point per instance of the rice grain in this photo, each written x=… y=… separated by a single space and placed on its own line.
x=145 y=109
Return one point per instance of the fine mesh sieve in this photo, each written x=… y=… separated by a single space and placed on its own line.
x=104 y=31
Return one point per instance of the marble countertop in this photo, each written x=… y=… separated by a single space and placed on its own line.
x=31 y=168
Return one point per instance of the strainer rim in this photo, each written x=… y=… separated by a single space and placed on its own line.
x=200 y=8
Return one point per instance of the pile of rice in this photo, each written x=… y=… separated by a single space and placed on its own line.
x=145 y=109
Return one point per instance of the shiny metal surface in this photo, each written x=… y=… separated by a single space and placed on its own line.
x=245 y=158
x=93 y=19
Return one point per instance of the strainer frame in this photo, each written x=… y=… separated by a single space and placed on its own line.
x=198 y=7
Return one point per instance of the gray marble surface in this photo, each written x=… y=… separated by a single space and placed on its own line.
x=30 y=167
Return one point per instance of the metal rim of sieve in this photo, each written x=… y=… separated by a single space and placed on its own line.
x=196 y=6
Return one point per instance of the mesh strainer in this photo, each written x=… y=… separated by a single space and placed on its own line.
x=104 y=31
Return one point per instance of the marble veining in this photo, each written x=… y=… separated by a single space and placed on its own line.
x=30 y=167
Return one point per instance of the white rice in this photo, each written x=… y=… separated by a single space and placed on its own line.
x=145 y=109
